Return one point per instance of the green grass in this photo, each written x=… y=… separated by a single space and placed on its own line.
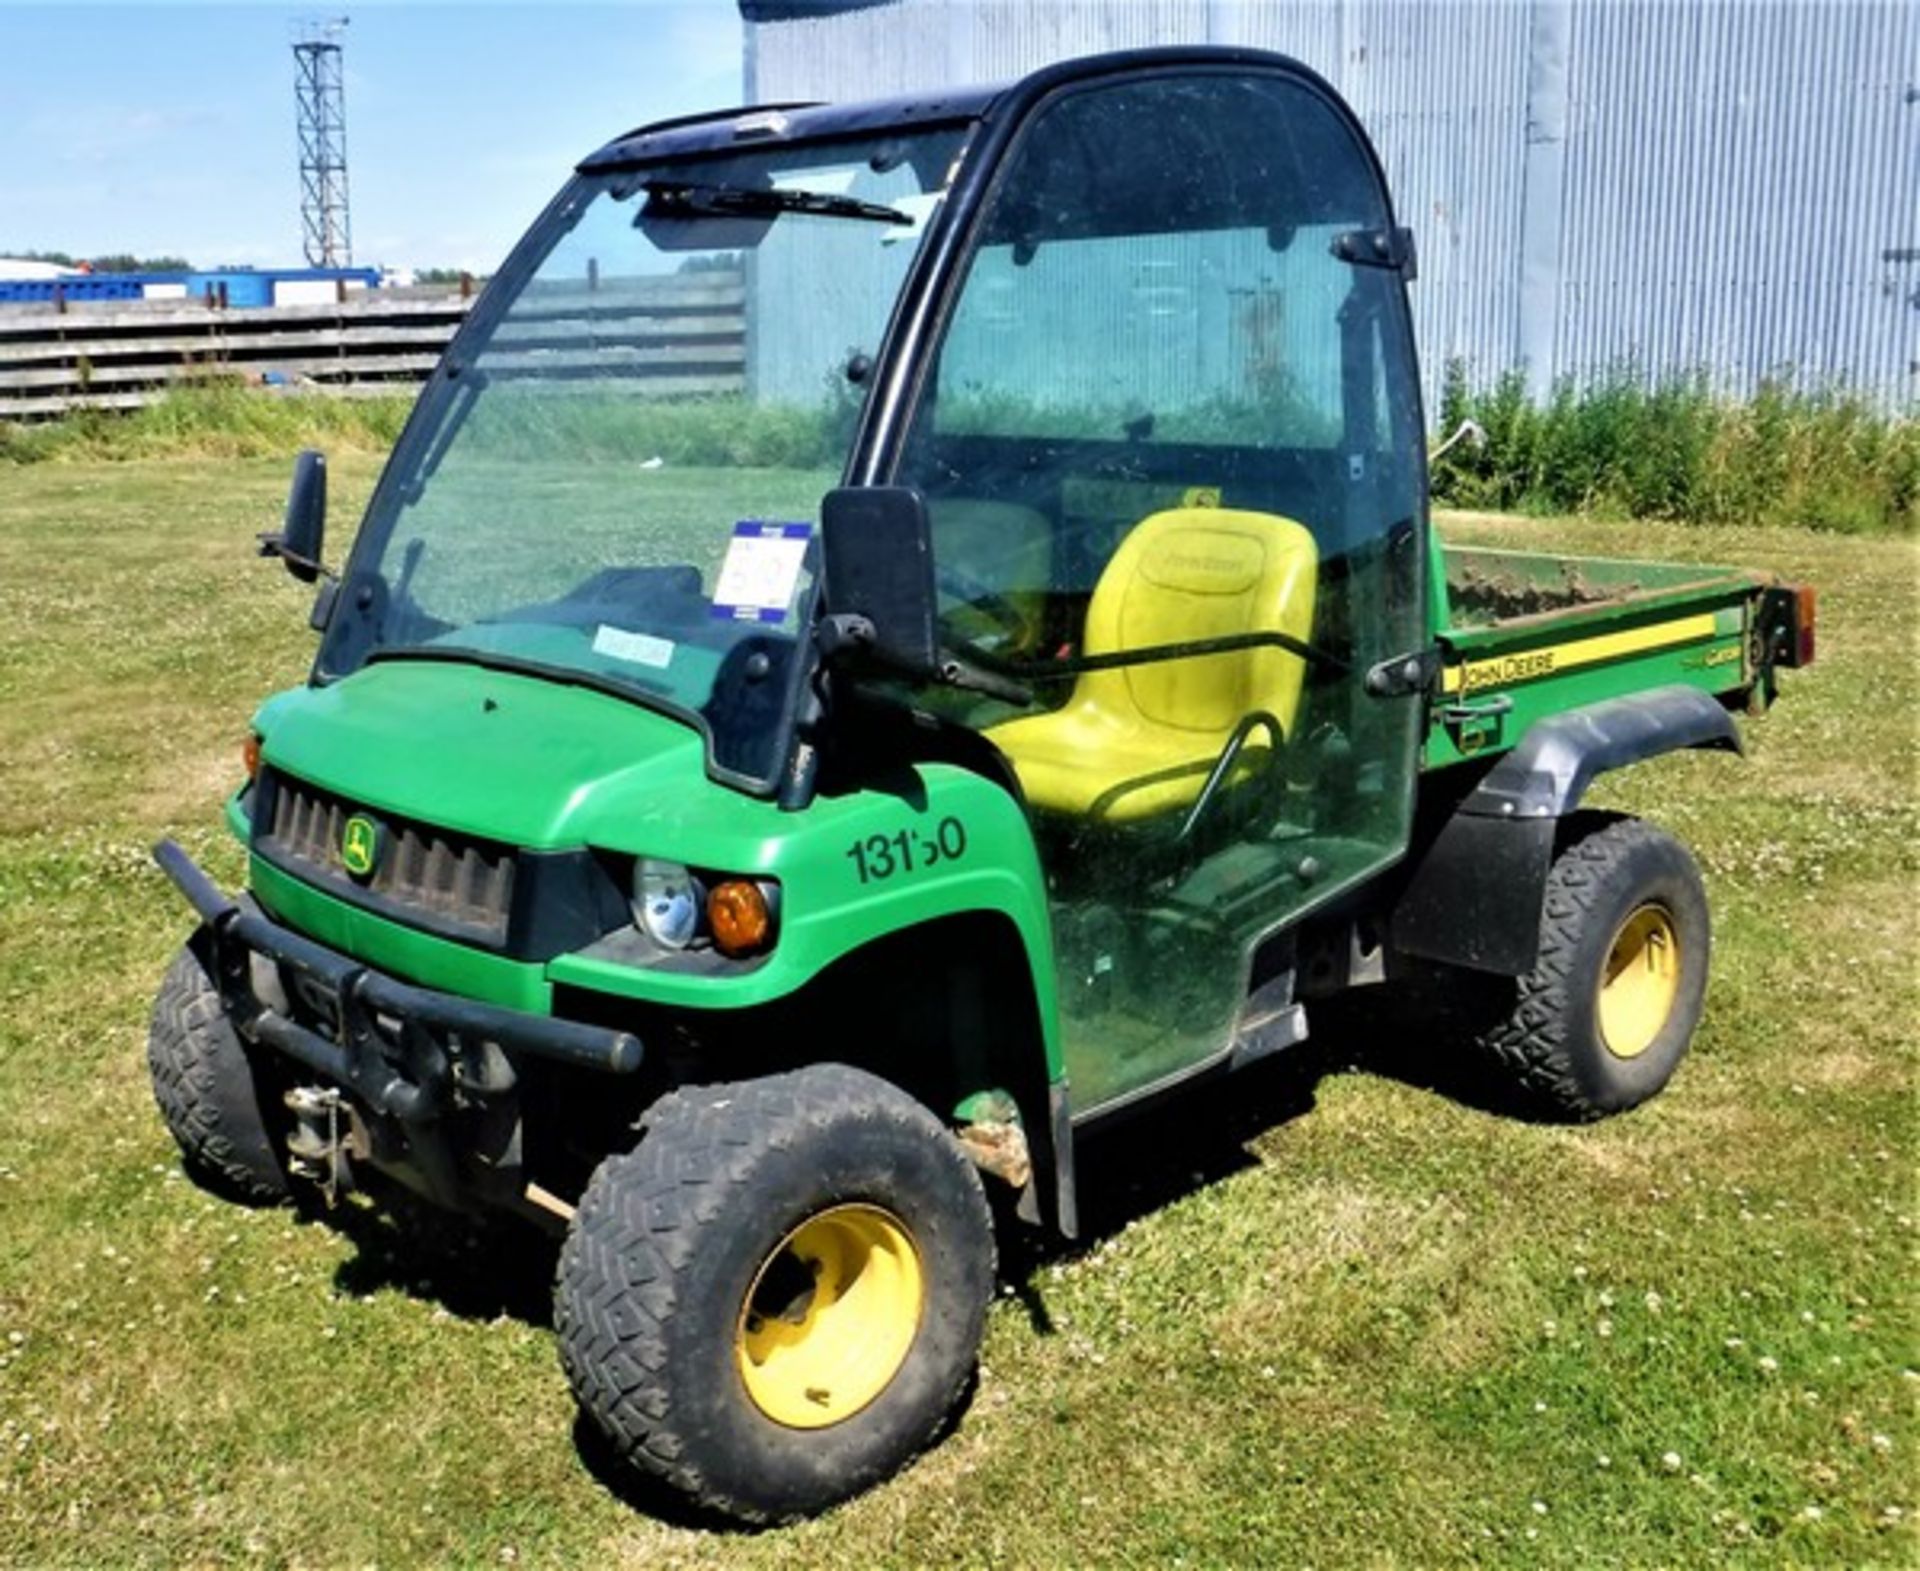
x=1377 y=1332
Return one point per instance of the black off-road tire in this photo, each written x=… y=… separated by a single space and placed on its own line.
x=208 y=1090
x=670 y=1238
x=1547 y=1038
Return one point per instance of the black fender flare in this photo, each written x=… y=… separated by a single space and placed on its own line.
x=1474 y=889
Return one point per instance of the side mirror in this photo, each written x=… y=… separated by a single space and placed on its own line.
x=876 y=560
x=299 y=540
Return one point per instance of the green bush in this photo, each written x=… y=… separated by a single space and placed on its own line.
x=1673 y=449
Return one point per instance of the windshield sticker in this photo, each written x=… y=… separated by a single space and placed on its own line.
x=635 y=648
x=762 y=566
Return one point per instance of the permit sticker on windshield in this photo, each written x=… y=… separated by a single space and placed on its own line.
x=762 y=566
x=636 y=648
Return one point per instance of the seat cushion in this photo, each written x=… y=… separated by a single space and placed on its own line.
x=1139 y=740
x=1077 y=760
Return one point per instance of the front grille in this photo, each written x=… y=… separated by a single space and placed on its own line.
x=437 y=878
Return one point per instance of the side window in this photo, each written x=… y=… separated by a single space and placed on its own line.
x=1212 y=339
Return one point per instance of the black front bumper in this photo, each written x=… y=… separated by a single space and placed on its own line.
x=392 y=1045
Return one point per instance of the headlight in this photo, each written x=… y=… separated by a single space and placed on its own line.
x=666 y=902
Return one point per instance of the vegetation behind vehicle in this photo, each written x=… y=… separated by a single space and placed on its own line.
x=1674 y=449
x=1787 y=456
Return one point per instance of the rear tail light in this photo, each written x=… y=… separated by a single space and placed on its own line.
x=1803 y=615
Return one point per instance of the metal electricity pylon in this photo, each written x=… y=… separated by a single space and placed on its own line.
x=327 y=233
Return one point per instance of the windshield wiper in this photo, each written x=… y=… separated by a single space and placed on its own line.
x=732 y=201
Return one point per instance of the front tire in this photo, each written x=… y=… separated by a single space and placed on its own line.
x=1605 y=1016
x=208 y=1091
x=776 y=1299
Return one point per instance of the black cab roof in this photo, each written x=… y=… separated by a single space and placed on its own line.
x=733 y=129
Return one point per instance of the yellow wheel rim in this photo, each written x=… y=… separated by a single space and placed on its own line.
x=830 y=1316
x=1641 y=982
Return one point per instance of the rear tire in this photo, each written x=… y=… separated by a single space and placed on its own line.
x=207 y=1089
x=1605 y=1016
x=776 y=1300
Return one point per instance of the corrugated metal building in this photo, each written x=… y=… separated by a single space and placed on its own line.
x=1732 y=185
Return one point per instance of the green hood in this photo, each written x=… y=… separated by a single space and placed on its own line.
x=510 y=758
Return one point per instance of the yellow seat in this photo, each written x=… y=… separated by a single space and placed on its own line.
x=1139 y=740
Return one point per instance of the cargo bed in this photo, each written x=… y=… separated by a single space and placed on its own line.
x=1526 y=635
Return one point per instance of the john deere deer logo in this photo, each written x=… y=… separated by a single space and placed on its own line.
x=360 y=845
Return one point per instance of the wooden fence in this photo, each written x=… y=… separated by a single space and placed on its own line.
x=680 y=333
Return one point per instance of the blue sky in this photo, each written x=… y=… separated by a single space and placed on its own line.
x=170 y=128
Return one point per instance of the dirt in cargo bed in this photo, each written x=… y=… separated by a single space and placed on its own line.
x=1478 y=599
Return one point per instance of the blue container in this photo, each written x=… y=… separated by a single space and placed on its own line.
x=246 y=287
x=82 y=286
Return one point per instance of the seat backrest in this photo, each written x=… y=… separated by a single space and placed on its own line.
x=1193 y=573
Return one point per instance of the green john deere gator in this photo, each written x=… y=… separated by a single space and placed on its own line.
x=894 y=634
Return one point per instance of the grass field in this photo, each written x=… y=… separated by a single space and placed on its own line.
x=1329 y=1318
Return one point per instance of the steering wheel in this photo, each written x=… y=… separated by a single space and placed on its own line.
x=969 y=591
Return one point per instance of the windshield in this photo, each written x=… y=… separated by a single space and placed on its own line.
x=620 y=482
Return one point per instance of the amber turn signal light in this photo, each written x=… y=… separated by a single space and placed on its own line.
x=250 y=755
x=738 y=917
